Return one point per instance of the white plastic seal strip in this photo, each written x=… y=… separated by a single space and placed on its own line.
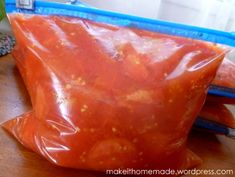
x=25 y=4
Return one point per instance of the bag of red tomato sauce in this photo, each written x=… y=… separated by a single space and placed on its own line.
x=224 y=83
x=108 y=90
x=218 y=112
x=225 y=76
x=222 y=98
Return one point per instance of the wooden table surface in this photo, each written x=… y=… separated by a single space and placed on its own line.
x=217 y=152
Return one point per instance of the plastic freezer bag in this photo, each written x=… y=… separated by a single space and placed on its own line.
x=225 y=76
x=218 y=112
x=224 y=82
x=108 y=97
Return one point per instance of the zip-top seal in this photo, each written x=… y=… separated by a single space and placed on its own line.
x=222 y=91
x=25 y=4
x=55 y=8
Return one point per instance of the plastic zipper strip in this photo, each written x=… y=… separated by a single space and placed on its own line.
x=54 y=8
x=221 y=91
x=214 y=127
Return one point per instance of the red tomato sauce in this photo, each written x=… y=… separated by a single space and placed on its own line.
x=225 y=75
x=107 y=97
